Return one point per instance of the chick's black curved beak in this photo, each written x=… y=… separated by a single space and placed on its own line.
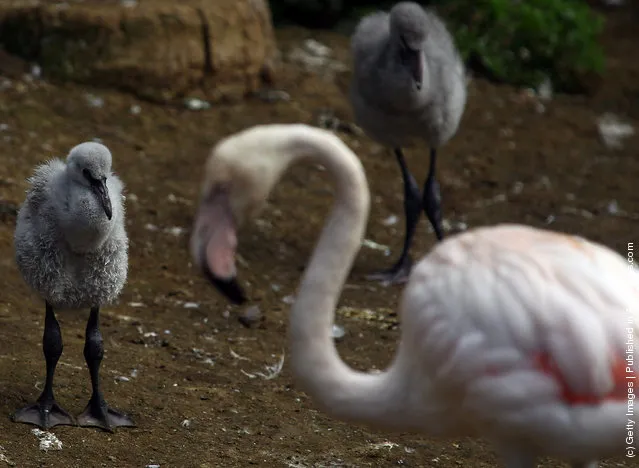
x=416 y=67
x=229 y=287
x=102 y=192
x=413 y=60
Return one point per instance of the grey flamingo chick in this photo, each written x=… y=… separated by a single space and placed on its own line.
x=408 y=84
x=72 y=249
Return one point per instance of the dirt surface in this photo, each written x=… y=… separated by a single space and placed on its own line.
x=178 y=359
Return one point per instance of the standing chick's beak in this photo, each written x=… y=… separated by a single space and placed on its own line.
x=100 y=189
x=416 y=67
x=412 y=57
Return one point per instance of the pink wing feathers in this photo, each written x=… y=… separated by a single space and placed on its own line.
x=545 y=314
x=523 y=333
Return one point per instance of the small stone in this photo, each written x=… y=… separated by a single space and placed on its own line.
x=196 y=104
x=338 y=332
x=274 y=95
x=250 y=317
x=94 y=101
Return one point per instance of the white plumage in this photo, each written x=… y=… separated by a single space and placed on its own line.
x=512 y=333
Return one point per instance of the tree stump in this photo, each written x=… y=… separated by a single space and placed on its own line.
x=158 y=49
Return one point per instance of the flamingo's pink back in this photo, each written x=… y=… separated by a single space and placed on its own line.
x=527 y=334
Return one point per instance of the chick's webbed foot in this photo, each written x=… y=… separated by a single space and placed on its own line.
x=46 y=413
x=98 y=414
x=397 y=274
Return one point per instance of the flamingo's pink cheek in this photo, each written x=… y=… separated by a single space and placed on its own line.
x=217 y=233
x=220 y=249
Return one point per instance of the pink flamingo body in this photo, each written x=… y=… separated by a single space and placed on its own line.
x=512 y=333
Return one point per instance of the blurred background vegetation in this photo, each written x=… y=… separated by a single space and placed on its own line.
x=520 y=42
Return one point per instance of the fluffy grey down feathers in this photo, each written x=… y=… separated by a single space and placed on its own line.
x=385 y=102
x=66 y=247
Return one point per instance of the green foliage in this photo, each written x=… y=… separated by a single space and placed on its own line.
x=522 y=42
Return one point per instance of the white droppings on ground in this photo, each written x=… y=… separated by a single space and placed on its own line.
x=338 y=332
x=191 y=305
x=544 y=91
x=317 y=48
x=5 y=458
x=390 y=221
x=375 y=246
x=48 y=440
x=131 y=304
x=72 y=366
x=196 y=104
x=272 y=370
x=613 y=207
x=234 y=355
x=203 y=356
x=316 y=57
x=288 y=299
x=613 y=130
x=94 y=101
x=384 y=445
x=175 y=230
x=186 y=423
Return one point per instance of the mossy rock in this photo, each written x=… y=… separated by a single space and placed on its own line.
x=158 y=49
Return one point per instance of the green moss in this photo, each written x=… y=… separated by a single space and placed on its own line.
x=525 y=42
x=520 y=42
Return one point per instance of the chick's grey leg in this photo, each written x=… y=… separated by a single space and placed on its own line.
x=97 y=413
x=46 y=412
x=400 y=271
x=432 y=197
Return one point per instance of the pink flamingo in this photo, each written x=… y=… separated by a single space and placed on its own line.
x=512 y=333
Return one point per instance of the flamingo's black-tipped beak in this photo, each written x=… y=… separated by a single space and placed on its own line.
x=230 y=288
x=102 y=192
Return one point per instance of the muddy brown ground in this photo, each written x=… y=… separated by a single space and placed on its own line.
x=509 y=163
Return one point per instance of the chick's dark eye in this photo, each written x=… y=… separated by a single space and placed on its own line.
x=87 y=174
